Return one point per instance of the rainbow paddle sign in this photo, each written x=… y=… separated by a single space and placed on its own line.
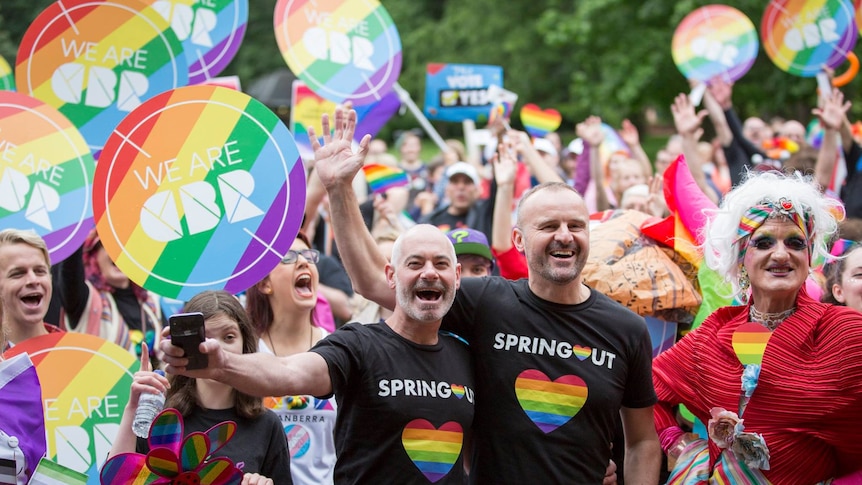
x=85 y=386
x=97 y=60
x=801 y=36
x=199 y=188
x=211 y=32
x=539 y=122
x=46 y=174
x=715 y=40
x=7 y=77
x=344 y=50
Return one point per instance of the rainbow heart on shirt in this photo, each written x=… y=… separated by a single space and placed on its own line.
x=749 y=342
x=458 y=391
x=539 y=122
x=433 y=450
x=581 y=352
x=550 y=404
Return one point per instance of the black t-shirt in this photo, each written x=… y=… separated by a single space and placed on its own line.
x=446 y=221
x=403 y=408
x=550 y=380
x=257 y=446
x=851 y=193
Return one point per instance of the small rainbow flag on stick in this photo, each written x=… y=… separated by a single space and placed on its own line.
x=383 y=177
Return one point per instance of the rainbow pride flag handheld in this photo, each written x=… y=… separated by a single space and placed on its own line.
x=715 y=40
x=97 y=60
x=211 y=32
x=46 y=174
x=539 y=122
x=199 y=188
x=85 y=384
x=801 y=36
x=383 y=177
x=52 y=473
x=344 y=50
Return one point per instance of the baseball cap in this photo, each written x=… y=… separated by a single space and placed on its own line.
x=464 y=168
x=544 y=145
x=470 y=241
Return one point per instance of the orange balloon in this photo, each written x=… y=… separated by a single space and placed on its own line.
x=849 y=74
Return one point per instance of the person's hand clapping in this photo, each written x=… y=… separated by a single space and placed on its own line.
x=335 y=161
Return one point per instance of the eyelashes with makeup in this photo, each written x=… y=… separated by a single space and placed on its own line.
x=793 y=243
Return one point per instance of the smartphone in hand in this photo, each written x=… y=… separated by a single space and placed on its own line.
x=187 y=331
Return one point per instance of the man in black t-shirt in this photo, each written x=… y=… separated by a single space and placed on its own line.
x=405 y=392
x=555 y=361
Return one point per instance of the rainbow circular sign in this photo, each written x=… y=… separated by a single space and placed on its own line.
x=7 y=77
x=801 y=36
x=211 y=32
x=46 y=174
x=715 y=40
x=85 y=384
x=199 y=188
x=97 y=60
x=344 y=50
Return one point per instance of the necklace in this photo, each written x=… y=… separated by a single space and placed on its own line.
x=769 y=320
x=272 y=345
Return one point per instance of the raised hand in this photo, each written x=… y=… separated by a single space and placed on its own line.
x=335 y=161
x=721 y=91
x=629 y=134
x=686 y=120
x=505 y=163
x=145 y=380
x=590 y=130
x=833 y=111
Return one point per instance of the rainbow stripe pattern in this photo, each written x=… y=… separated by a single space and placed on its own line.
x=550 y=404
x=201 y=188
x=96 y=60
x=749 y=342
x=715 y=40
x=383 y=177
x=338 y=61
x=7 y=77
x=801 y=36
x=211 y=32
x=539 y=122
x=457 y=391
x=433 y=450
x=581 y=352
x=47 y=186
x=74 y=369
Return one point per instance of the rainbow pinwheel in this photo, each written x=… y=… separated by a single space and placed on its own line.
x=174 y=460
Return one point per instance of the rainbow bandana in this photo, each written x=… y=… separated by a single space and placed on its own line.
x=757 y=215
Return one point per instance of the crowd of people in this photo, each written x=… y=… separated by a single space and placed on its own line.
x=443 y=332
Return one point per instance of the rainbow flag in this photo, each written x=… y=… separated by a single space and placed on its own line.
x=383 y=177
x=52 y=473
x=682 y=231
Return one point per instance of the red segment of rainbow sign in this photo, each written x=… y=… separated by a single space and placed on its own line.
x=801 y=36
x=199 y=188
x=345 y=50
x=433 y=450
x=383 y=177
x=46 y=174
x=539 y=122
x=550 y=404
x=715 y=40
x=750 y=341
x=97 y=60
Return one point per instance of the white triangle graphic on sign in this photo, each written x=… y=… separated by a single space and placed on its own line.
x=159 y=218
x=13 y=190
x=43 y=201
x=235 y=188
x=199 y=204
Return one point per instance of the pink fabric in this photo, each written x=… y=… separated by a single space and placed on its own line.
x=669 y=436
x=322 y=315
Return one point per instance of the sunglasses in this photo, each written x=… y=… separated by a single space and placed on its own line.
x=310 y=255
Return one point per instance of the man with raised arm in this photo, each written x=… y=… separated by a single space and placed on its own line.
x=554 y=360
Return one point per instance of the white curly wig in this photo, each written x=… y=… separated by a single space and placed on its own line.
x=720 y=248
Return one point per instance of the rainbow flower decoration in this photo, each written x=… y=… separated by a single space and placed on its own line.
x=780 y=148
x=173 y=460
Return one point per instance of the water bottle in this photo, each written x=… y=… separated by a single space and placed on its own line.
x=149 y=406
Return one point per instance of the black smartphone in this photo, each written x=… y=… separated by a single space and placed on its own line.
x=187 y=331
